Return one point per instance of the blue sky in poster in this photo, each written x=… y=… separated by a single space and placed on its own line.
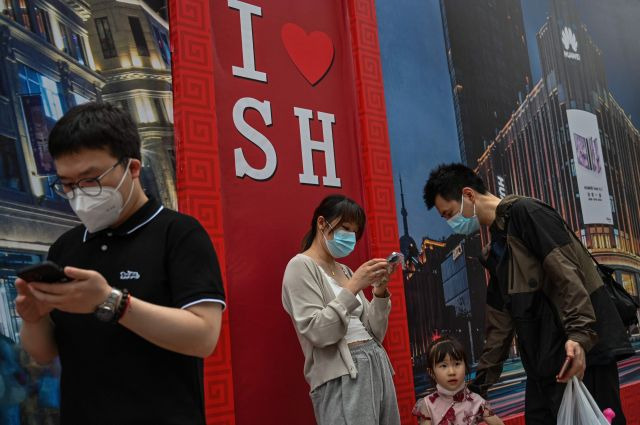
x=422 y=127
x=420 y=113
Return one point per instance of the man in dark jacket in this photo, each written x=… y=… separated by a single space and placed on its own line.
x=544 y=288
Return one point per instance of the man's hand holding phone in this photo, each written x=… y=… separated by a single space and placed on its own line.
x=574 y=364
x=46 y=286
x=31 y=309
x=82 y=294
x=28 y=306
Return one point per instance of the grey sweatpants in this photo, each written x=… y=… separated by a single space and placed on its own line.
x=370 y=399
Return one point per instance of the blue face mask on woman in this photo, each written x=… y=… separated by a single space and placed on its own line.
x=464 y=225
x=342 y=244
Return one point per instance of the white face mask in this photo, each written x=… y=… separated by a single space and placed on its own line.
x=101 y=211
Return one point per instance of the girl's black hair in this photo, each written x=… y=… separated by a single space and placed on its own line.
x=440 y=348
x=335 y=207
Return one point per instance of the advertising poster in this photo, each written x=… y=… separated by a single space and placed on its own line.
x=589 y=164
x=541 y=99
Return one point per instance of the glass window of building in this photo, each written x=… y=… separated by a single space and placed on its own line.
x=32 y=82
x=146 y=114
x=10 y=177
x=168 y=106
x=162 y=115
x=138 y=36
x=79 y=99
x=163 y=45
x=23 y=14
x=51 y=96
x=43 y=24
x=106 y=38
x=78 y=47
x=124 y=105
x=171 y=152
x=148 y=178
x=66 y=39
x=6 y=8
x=29 y=80
x=10 y=261
x=629 y=283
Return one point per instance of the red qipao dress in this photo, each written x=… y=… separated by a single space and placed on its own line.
x=458 y=407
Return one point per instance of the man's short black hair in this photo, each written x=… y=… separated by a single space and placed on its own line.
x=448 y=180
x=95 y=125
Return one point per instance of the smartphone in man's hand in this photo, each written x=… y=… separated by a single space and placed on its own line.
x=47 y=271
x=565 y=367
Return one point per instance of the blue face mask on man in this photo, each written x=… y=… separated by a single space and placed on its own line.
x=342 y=244
x=464 y=225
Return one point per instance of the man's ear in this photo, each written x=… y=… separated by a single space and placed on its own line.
x=469 y=193
x=135 y=168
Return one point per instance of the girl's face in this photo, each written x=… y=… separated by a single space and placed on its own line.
x=328 y=228
x=449 y=373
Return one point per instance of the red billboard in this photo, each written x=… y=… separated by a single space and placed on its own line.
x=278 y=104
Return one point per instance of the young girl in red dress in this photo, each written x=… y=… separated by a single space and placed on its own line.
x=452 y=403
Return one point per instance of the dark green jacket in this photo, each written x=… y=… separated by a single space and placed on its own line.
x=545 y=288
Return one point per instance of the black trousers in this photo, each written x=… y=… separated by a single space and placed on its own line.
x=542 y=399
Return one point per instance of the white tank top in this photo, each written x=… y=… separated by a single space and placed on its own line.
x=356 y=330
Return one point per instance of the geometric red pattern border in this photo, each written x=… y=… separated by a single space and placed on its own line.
x=198 y=170
x=378 y=187
x=199 y=186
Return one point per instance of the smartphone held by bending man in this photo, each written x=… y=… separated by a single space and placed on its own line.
x=544 y=288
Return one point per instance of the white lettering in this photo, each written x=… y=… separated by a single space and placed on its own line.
x=571 y=55
x=308 y=146
x=254 y=136
x=248 y=69
x=502 y=187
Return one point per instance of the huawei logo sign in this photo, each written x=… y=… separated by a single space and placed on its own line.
x=569 y=41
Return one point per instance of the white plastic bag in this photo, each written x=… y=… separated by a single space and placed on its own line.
x=578 y=407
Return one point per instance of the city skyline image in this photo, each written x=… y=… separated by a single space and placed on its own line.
x=522 y=92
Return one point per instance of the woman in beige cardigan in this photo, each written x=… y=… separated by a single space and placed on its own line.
x=339 y=330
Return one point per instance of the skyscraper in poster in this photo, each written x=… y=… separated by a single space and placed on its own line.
x=572 y=145
x=488 y=66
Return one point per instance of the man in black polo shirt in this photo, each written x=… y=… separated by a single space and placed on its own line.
x=145 y=299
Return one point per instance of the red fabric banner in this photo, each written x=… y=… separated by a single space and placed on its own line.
x=277 y=106
x=287 y=131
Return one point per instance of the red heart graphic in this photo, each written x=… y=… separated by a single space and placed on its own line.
x=311 y=53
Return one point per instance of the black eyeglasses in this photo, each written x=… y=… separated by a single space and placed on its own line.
x=90 y=186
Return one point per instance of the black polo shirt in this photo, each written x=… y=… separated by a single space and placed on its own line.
x=110 y=375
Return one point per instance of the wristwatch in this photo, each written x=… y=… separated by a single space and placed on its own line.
x=107 y=310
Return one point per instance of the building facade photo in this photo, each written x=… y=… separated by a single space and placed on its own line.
x=55 y=55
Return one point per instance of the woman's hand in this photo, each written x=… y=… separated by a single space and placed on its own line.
x=380 y=287
x=372 y=271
